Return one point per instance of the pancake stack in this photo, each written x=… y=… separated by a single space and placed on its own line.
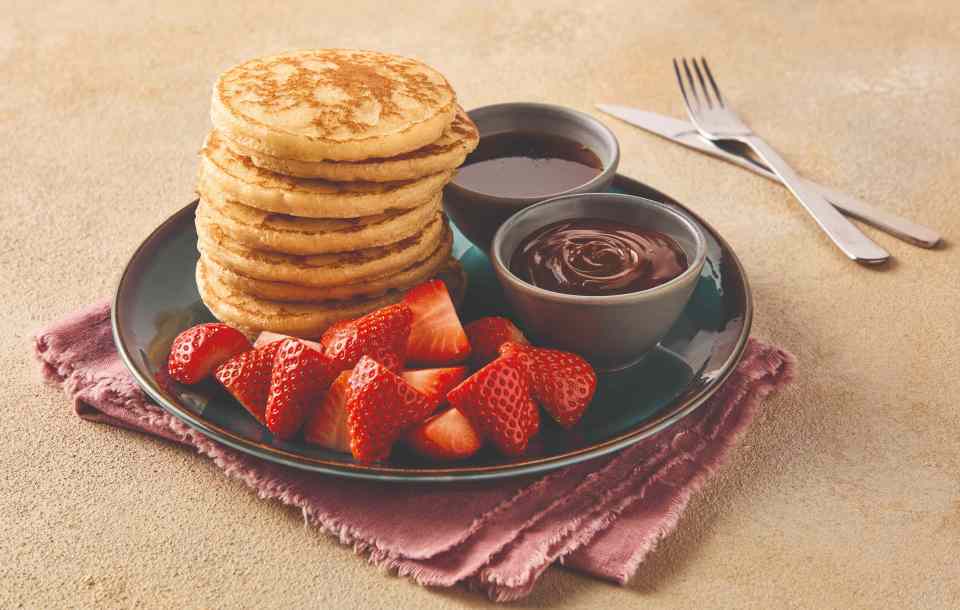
x=320 y=187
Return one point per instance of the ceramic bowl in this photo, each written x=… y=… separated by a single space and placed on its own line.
x=478 y=215
x=612 y=331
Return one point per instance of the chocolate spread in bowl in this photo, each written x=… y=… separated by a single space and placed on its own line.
x=593 y=256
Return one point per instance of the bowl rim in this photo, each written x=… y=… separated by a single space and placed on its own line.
x=692 y=270
x=605 y=176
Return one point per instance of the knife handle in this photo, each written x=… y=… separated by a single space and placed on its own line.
x=906 y=230
x=844 y=234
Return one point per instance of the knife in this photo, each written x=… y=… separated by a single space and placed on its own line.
x=686 y=134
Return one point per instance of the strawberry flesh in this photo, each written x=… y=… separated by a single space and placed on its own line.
x=436 y=337
x=486 y=335
x=447 y=436
x=197 y=351
x=300 y=375
x=435 y=383
x=381 y=407
x=496 y=399
x=266 y=337
x=381 y=334
x=247 y=377
x=327 y=425
x=562 y=383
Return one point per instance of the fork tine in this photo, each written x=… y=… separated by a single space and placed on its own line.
x=703 y=85
x=693 y=85
x=716 y=89
x=683 y=89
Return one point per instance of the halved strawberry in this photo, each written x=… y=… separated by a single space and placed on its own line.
x=266 y=337
x=446 y=436
x=381 y=334
x=435 y=383
x=327 y=425
x=562 y=382
x=436 y=337
x=381 y=407
x=496 y=399
x=247 y=377
x=486 y=335
x=300 y=376
x=200 y=349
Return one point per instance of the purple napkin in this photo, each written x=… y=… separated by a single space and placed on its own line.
x=600 y=517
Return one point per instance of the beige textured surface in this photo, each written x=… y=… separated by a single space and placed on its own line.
x=845 y=494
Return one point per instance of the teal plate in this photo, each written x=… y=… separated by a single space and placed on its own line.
x=157 y=298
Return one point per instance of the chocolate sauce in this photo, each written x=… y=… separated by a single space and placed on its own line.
x=527 y=164
x=593 y=256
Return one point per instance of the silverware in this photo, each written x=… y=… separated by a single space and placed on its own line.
x=686 y=134
x=715 y=121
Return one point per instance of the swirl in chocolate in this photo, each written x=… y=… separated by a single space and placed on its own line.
x=592 y=256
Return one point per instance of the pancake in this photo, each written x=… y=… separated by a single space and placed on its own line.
x=332 y=104
x=240 y=179
x=251 y=315
x=262 y=230
x=448 y=152
x=419 y=271
x=319 y=270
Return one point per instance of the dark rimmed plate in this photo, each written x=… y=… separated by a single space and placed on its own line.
x=157 y=298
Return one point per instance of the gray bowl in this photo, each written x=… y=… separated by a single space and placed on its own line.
x=612 y=331
x=478 y=215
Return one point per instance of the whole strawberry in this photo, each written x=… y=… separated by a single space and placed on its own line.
x=299 y=378
x=496 y=399
x=381 y=407
x=197 y=351
x=381 y=334
x=247 y=377
x=562 y=383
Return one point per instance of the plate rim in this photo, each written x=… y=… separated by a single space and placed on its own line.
x=437 y=475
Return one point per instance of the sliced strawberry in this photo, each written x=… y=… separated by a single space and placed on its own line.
x=381 y=407
x=267 y=337
x=486 y=335
x=300 y=376
x=197 y=351
x=327 y=425
x=436 y=338
x=446 y=436
x=435 y=383
x=496 y=399
x=381 y=334
x=562 y=382
x=247 y=377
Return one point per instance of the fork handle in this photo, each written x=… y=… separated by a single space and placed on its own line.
x=844 y=234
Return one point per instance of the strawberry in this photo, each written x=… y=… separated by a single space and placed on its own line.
x=563 y=383
x=435 y=383
x=327 y=425
x=267 y=337
x=486 y=335
x=447 y=436
x=381 y=334
x=197 y=351
x=496 y=399
x=300 y=374
x=381 y=407
x=247 y=377
x=436 y=337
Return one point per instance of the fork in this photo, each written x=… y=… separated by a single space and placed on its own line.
x=717 y=121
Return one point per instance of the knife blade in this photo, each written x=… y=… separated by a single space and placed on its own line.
x=686 y=134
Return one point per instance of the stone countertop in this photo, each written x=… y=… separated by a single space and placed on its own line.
x=845 y=493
